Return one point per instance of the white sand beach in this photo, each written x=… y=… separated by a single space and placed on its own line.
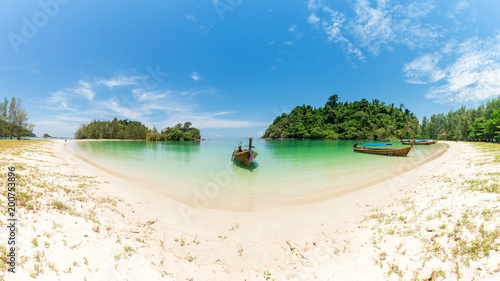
x=437 y=221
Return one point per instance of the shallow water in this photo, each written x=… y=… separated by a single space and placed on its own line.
x=286 y=172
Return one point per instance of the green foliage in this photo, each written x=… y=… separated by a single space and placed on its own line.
x=14 y=119
x=481 y=123
x=180 y=132
x=336 y=120
x=125 y=129
x=116 y=129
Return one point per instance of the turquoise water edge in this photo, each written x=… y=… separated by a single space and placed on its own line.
x=201 y=173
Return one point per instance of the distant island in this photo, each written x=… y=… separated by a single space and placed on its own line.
x=135 y=130
x=345 y=121
x=378 y=121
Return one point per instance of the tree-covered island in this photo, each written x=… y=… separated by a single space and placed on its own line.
x=345 y=121
x=135 y=130
x=376 y=120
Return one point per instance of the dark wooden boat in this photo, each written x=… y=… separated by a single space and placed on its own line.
x=246 y=156
x=417 y=142
x=402 y=151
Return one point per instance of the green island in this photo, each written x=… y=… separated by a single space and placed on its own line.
x=135 y=130
x=377 y=121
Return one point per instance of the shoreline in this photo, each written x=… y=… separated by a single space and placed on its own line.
x=135 y=234
x=275 y=204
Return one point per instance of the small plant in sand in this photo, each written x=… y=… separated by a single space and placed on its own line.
x=234 y=227
x=181 y=240
x=240 y=250
x=128 y=251
x=190 y=258
x=267 y=275
x=222 y=237
x=394 y=269
x=34 y=242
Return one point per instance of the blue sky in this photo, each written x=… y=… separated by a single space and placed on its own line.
x=231 y=66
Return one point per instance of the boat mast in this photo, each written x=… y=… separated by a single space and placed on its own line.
x=250 y=143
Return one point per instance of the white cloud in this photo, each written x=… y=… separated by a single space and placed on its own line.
x=292 y=28
x=424 y=70
x=313 y=19
x=470 y=72
x=85 y=90
x=120 y=81
x=123 y=111
x=205 y=29
x=60 y=98
x=205 y=120
x=174 y=106
x=375 y=26
x=149 y=96
x=196 y=77
x=288 y=43
x=191 y=17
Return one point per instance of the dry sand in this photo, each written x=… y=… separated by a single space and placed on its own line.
x=85 y=223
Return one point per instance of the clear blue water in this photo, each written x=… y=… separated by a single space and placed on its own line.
x=287 y=171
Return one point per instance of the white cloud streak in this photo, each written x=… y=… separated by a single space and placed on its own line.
x=120 y=81
x=469 y=72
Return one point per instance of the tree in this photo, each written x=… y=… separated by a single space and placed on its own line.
x=14 y=119
x=332 y=101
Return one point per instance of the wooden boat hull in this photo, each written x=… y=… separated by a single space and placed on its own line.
x=419 y=143
x=403 y=151
x=244 y=157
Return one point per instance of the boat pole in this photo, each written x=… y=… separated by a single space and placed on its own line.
x=250 y=149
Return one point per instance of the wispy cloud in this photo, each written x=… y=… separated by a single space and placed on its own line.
x=149 y=96
x=469 y=72
x=33 y=68
x=205 y=29
x=191 y=17
x=62 y=99
x=205 y=120
x=174 y=106
x=196 y=77
x=119 y=110
x=375 y=26
x=424 y=70
x=313 y=19
x=85 y=90
x=120 y=81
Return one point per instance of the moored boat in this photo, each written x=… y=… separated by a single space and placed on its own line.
x=402 y=151
x=247 y=156
x=418 y=142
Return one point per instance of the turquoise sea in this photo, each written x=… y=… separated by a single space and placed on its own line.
x=288 y=172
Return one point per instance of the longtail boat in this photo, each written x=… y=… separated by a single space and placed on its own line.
x=418 y=142
x=246 y=156
x=402 y=151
